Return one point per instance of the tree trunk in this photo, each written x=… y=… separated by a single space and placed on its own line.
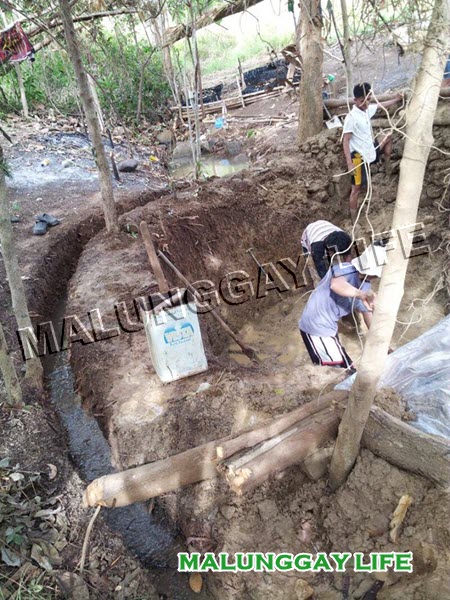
x=347 y=47
x=23 y=95
x=311 y=83
x=109 y=207
x=12 y=385
x=419 y=118
x=224 y=9
x=19 y=301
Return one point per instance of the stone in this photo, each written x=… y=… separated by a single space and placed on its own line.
x=165 y=137
x=67 y=163
x=389 y=577
x=377 y=525
x=232 y=148
x=268 y=509
x=73 y=586
x=182 y=150
x=327 y=162
x=303 y=590
x=315 y=466
x=128 y=166
x=434 y=191
x=227 y=511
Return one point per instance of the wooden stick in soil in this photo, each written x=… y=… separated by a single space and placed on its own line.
x=247 y=350
x=153 y=258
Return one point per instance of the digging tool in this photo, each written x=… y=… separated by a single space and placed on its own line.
x=250 y=352
x=261 y=268
x=284 y=308
x=153 y=258
x=333 y=122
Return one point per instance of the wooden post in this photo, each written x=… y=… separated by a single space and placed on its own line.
x=153 y=258
x=240 y=92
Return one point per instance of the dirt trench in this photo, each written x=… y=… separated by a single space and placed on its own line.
x=206 y=231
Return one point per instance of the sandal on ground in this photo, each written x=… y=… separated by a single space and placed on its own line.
x=51 y=221
x=40 y=228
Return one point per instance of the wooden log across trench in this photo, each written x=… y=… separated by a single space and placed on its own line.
x=249 y=459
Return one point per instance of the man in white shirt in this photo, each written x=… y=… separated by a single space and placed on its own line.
x=359 y=146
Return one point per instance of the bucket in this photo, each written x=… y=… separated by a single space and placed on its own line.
x=175 y=342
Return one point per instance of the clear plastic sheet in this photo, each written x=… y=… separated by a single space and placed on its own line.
x=420 y=372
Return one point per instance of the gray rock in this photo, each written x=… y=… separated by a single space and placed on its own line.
x=227 y=511
x=315 y=466
x=128 y=166
x=182 y=150
x=232 y=148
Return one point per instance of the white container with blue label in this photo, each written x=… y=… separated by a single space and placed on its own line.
x=175 y=341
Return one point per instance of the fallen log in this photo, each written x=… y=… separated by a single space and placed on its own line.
x=194 y=465
x=344 y=102
x=408 y=448
x=302 y=441
x=249 y=459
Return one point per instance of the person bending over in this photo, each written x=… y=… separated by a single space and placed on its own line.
x=344 y=288
x=322 y=239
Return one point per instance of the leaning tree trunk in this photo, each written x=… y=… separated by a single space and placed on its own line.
x=33 y=372
x=311 y=84
x=419 y=118
x=8 y=371
x=109 y=207
x=347 y=48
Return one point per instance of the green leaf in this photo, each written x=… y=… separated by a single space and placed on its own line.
x=16 y=476
x=4 y=463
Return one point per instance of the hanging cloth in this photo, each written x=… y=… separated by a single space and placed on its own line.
x=14 y=45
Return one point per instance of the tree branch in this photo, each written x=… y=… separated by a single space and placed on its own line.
x=225 y=9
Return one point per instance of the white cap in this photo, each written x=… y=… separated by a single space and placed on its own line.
x=371 y=261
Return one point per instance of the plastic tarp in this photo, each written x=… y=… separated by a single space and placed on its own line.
x=420 y=372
